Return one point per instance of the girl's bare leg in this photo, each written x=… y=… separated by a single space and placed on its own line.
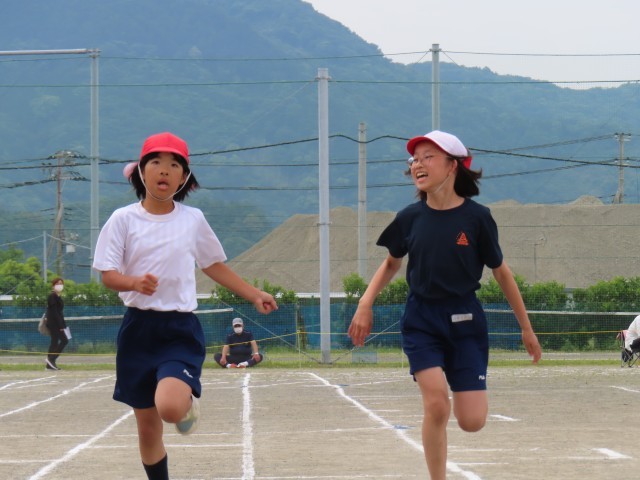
x=437 y=410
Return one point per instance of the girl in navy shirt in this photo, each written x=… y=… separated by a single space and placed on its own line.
x=448 y=238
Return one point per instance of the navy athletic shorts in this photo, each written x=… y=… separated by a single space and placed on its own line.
x=154 y=345
x=451 y=334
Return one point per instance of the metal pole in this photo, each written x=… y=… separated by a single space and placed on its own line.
x=59 y=216
x=435 y=86
x=619 y=196
x=44 y=256
x=323 y=224
x=95 y=197
x=362 y=200
x=73 y=51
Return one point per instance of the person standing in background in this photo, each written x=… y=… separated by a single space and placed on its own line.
x=56 y=324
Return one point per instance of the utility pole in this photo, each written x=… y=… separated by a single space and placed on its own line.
x=621 y=137
x=323 y=217
x=362 y=200
x=435 y=86
x=59 y=172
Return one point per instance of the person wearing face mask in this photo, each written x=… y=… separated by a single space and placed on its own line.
x=56 y=324
x=240 y=349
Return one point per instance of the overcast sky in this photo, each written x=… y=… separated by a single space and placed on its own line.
x=582 y=27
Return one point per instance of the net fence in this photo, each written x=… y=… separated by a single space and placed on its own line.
x=294 y=332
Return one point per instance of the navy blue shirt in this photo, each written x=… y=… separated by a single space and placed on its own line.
x=447 y=249
x=239 y=344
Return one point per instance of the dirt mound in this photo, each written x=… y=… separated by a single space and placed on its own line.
x=577 y=244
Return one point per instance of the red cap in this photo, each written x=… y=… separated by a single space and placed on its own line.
x=160 y=142
x=165 y=142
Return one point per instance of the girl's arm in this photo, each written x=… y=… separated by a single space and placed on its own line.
x=507 y=283
x=146 y=284
x=222 y=274
x=363 y=318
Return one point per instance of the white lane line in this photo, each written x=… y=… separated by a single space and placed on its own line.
x=612 y=454
x=625 y=389
x=21 y=382
x=65 y=392
x=79 y=448
x=451 y=466
x=248 y=468
x=504 y=418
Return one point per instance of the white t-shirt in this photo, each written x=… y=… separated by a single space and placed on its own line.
x=633 y=332
x=135 y=242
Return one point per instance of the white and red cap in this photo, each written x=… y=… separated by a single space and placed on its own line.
x=449 y=144
x=160 y=142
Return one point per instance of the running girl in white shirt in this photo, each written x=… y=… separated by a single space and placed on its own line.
x=148 y=251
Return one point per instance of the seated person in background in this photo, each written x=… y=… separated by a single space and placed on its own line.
x=632 y=339
x=240 y=349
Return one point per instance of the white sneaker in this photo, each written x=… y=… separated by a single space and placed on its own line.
x=189 y=423
x=243 y=364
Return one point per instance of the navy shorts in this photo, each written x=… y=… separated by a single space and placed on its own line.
x=154 y=345
x=451 y=334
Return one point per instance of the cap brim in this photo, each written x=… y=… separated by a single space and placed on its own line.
x=167 y=149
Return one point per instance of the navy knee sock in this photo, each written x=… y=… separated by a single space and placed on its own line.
x=158 y=471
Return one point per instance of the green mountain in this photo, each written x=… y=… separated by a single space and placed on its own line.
x=237 y=80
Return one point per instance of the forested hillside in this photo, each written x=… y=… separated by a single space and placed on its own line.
x=237 y=79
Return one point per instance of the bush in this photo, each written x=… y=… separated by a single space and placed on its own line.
x=354 y=286
x=282 y=295
x=616 y=295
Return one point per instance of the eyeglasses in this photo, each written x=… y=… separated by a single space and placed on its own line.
x=424 y=160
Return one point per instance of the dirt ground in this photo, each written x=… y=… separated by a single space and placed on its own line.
x=569 y=422
x=576 y=244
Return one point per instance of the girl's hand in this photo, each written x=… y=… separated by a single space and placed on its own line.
x=532 y=345
x=361 y=325
x=147 y=284
x=265 y=303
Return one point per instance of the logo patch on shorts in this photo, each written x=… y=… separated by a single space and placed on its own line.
x=187 y=373
x=481 y=377
x=461 y=317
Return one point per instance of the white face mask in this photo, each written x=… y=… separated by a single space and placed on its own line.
x=58 y=288
x=237 y=329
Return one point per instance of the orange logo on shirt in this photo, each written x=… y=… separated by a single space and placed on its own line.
x=462 y=240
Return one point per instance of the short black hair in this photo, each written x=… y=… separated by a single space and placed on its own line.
x=141 y=191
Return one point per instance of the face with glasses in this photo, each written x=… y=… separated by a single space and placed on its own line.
x=430 y=166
